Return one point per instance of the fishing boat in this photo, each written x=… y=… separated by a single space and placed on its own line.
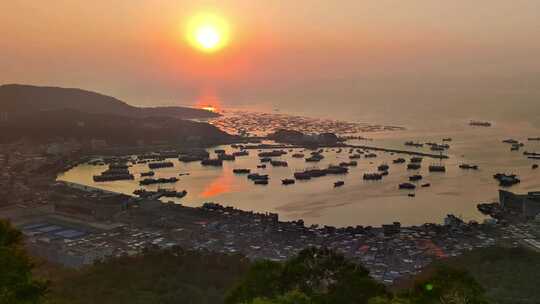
x=287 y=181
x=212 y=162
x=437 y=168
x=339 y=184
x=383 y=167
x=407 y=186
x=372 y=176
x=477 y=123
x=415 y=178
x=414 y=166
x=468 y=167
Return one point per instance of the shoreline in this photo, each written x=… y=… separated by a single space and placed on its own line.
x=256 y=235
x=390 y=252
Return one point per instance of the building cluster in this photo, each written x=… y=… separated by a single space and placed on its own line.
x=527 y=205
x=389 y=252
x=77 y=247
x=26 y=174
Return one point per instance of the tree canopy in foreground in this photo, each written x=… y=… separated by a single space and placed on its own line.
x=314 y=276
x=322 y=276
x=16 y=282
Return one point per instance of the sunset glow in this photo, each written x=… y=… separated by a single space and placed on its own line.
x=209 y=108
x=208 y=32
x=386 y=146
x=208 y=100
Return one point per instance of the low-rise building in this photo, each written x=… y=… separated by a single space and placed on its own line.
x=526 y=204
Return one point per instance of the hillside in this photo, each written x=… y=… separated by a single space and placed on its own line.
x=508 y=275
x=157 y=277
x=70 y=124
x=315 y=276
x=16 y=98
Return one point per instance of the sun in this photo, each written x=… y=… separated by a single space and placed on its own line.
x=208 y=32
x=208 y=37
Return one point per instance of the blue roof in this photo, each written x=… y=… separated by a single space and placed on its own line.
x=34 y=226
x=70 y=233
x=50 y=228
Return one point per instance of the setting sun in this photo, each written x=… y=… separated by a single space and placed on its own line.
x=210 y=108
x=208 y=32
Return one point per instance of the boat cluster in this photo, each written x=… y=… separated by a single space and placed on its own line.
x=259 y=124
x=411 y=185
x=215 y=162
x=259 y=179
x=143 y=193
x=161 y=180
x=316 y=156
x=532 y=155
x=160 y=165
x=204 y=157
x=506 y=180
x=438 y=147
x=517 y=145
x=433 y=146
x=315 y=172
x=115 y=172
x=514 y=144
x=415 y=163
x=414 y=144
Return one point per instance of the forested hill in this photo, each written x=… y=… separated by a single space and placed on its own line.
x=27 y=98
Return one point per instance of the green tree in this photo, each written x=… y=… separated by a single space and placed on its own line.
x=16 y=282
x=261 y=281
x=323 y=275
x=293 y=297
x=448 y=286
x=389 y=300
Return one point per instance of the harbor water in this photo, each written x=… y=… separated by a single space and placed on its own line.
x=358 y=202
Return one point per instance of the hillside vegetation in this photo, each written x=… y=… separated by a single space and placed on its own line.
x=172 y=276
x=509 y=275
x=315 y=276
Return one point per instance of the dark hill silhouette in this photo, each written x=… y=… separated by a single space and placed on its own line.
x=47 y=125
x=16 y=98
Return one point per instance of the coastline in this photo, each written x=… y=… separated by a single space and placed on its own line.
x=259 y=234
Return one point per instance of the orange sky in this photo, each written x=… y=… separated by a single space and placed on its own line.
x=284 y=53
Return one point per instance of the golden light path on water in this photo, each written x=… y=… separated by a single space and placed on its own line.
x=358 y=202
